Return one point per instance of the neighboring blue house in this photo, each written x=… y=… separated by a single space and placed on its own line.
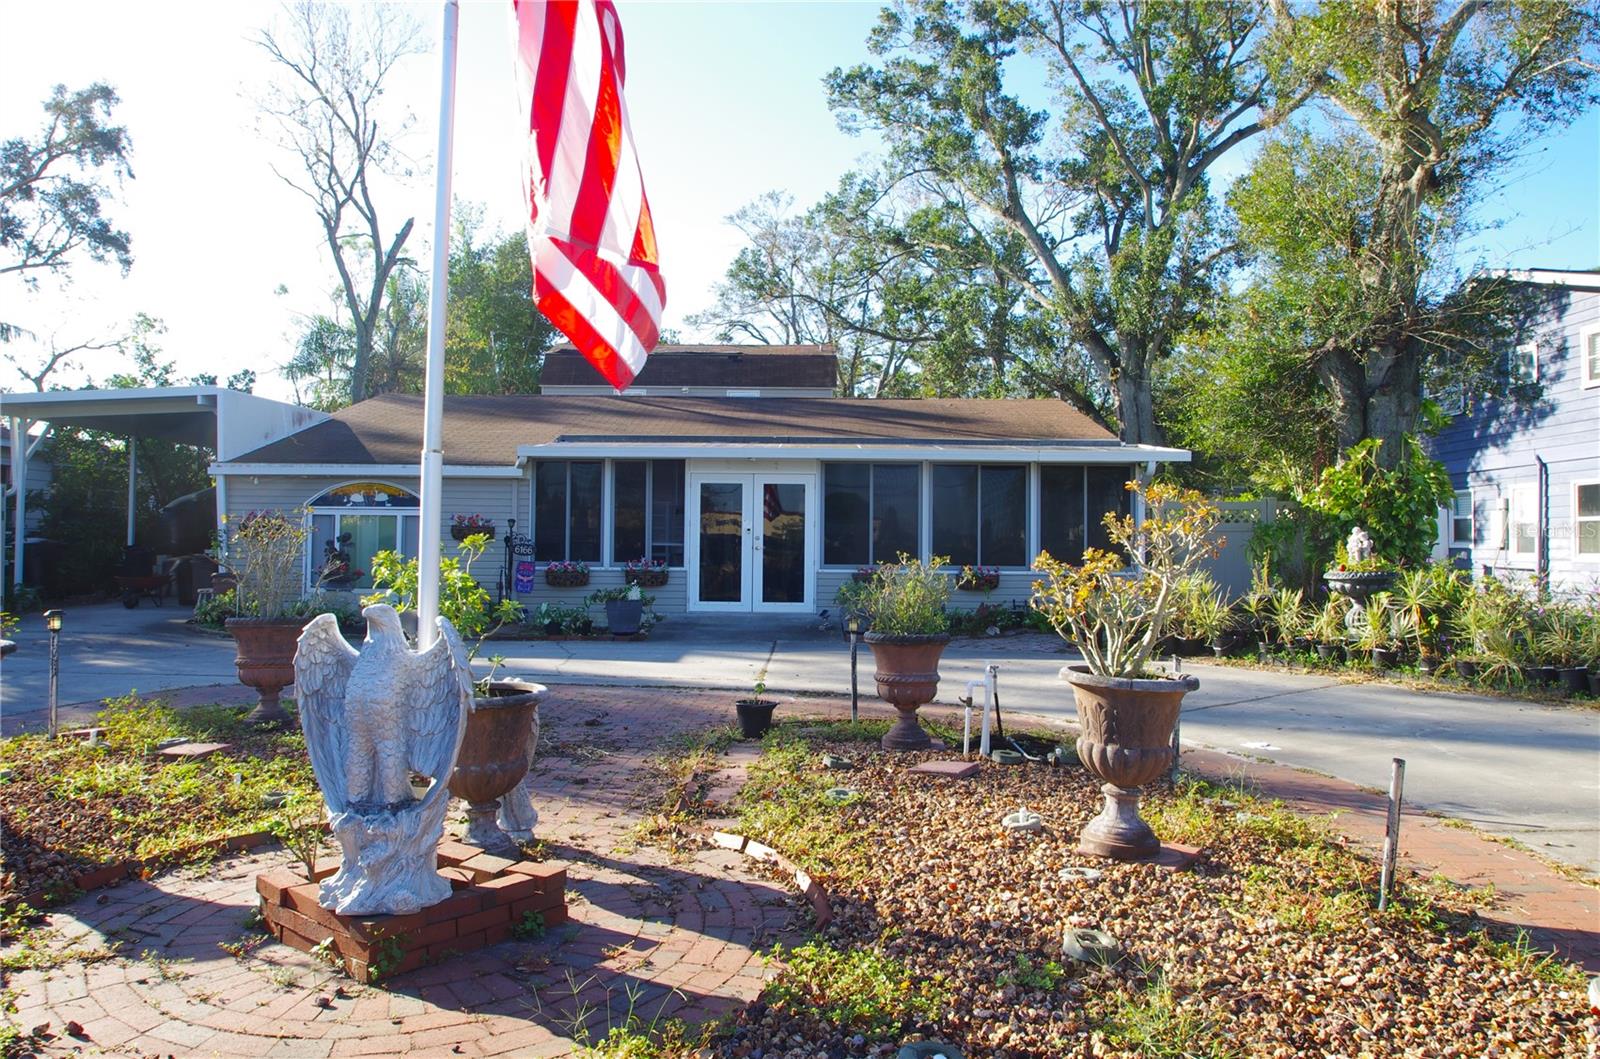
x=1527 y=477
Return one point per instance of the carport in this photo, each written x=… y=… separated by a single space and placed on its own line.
x=228 y=422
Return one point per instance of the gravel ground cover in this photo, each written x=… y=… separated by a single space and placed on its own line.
x=67 y=807
x=948 y=927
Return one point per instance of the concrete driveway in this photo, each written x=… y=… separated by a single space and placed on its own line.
x=1517 y=769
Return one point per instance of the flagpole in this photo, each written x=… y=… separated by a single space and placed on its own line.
x=431 y=515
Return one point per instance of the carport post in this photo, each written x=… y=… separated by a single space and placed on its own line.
x=133 y=482
x=19 y=482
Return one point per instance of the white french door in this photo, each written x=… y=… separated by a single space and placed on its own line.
x=750 y=542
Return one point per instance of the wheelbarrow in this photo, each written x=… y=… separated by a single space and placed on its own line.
x=133 y=589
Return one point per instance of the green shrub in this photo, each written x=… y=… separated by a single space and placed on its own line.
x=908 y=597
x=856 y=989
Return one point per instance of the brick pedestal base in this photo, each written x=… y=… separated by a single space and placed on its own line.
x=494 y=898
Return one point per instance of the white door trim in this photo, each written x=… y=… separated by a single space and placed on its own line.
x=750 y=484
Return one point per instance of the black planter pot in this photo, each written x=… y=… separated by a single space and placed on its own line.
x=1385 y=657
x=1330 y=652
x=1430 y=664
x=1539 y=675
x=1574 y=680
x=755 y=716
x=552 y=628
x=623 y=616
x=1466 y=669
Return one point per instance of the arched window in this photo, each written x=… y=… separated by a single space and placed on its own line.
x=351 y=523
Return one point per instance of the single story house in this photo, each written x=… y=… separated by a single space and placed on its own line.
x=732 y=465
x=1526 y=476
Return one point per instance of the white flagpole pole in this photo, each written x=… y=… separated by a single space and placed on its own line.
x=431 y=515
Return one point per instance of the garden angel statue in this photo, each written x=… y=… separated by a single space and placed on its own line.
x=1359 y=545
x=372 y=718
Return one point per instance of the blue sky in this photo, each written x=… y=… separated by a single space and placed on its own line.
x=726 y=101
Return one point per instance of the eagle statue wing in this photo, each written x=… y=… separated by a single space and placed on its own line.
x=442 y=698
x=322 y=666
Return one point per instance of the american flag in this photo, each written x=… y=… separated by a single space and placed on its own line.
x=590 y=235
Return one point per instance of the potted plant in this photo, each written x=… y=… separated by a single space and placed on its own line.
x=755 y=713
x=1210 y=620
x=625 y=606
x=503 y=727
x=1290 y=619
x=1558 y=642
x=907 y=629
x=1328 y=629
x=1115 y=616
x=464 y=526
x=571 y=573
x=646 y=573
x=264 y=551
x=1380 y=629
x=978 y=578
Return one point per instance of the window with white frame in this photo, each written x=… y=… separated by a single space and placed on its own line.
x=1586 y=519
x=1461 y=523
x=1523 y=363
x=566 y=510
x=647 y=510
x=1589 y=354
x=1523 y=537
x=350 y=524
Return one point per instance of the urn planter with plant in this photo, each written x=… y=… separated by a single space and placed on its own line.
x=1115 y=611
x=503 y=727
x=907 y=629
x=264 y=551
x=625 y=607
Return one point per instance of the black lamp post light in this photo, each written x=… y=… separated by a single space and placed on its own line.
x=853 y=627
x=52 y=622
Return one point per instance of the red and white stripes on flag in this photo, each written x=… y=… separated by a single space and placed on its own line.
x=593 y=245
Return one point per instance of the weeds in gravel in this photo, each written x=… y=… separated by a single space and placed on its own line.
x=1157 y=1024
x=1035 y=977
x=1518 y=954
x=859 y=989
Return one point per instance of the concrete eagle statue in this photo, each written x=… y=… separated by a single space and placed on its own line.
x=372 y=718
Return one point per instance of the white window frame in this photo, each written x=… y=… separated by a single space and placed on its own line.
x=398 y=514
x=1578 y=521
x=609 y=515
x=1586 y=336
x=1472 y=520
x=1524 y=510
x=1530 y=352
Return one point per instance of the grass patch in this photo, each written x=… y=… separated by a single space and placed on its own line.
x=1518 y=954
x=858 y=990
x=1157 y=1024
x=783 y=804
x=674 y=1040
x=1044 y=976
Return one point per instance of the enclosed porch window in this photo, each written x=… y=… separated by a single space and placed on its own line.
x=1073 y=503
x=871 y=512
x=566 y=510
x=647 y=510
x=980 y=513
x=349 y=525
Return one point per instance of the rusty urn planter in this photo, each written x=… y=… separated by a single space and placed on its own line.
x=495 y=756
x=907 y=676
x=1126 y=742
x=265 y=659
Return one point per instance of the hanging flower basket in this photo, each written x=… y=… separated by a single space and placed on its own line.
x=466 y=526
x=567 y=574
x=978 y=579
x=646 y=573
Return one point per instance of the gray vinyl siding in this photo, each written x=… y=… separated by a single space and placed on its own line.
x=493 y=498
x=1494 y=447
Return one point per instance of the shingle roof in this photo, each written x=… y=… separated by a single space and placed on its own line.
x=486 y=430
x=737 y=367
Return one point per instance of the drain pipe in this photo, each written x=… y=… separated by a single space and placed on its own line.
x=987 y=683
x=1541 y=538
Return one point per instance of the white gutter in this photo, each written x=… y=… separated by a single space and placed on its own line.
x=1109 y=453
x=1548 y=277
x=360 y=470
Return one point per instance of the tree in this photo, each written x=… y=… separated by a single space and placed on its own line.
x=327 y=107
x=1109 y=196
x=52 y=193
x=1354 y=227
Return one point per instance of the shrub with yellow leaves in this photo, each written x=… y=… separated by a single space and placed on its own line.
x=1116 y=609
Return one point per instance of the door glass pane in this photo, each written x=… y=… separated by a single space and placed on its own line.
x=896 y=509
x=1061 y=511
x=955 y=512
x=844 y=514
x=721 y=542
x=1005 y=516
x=362 y=537
x=627 y=513
x=783 y=543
